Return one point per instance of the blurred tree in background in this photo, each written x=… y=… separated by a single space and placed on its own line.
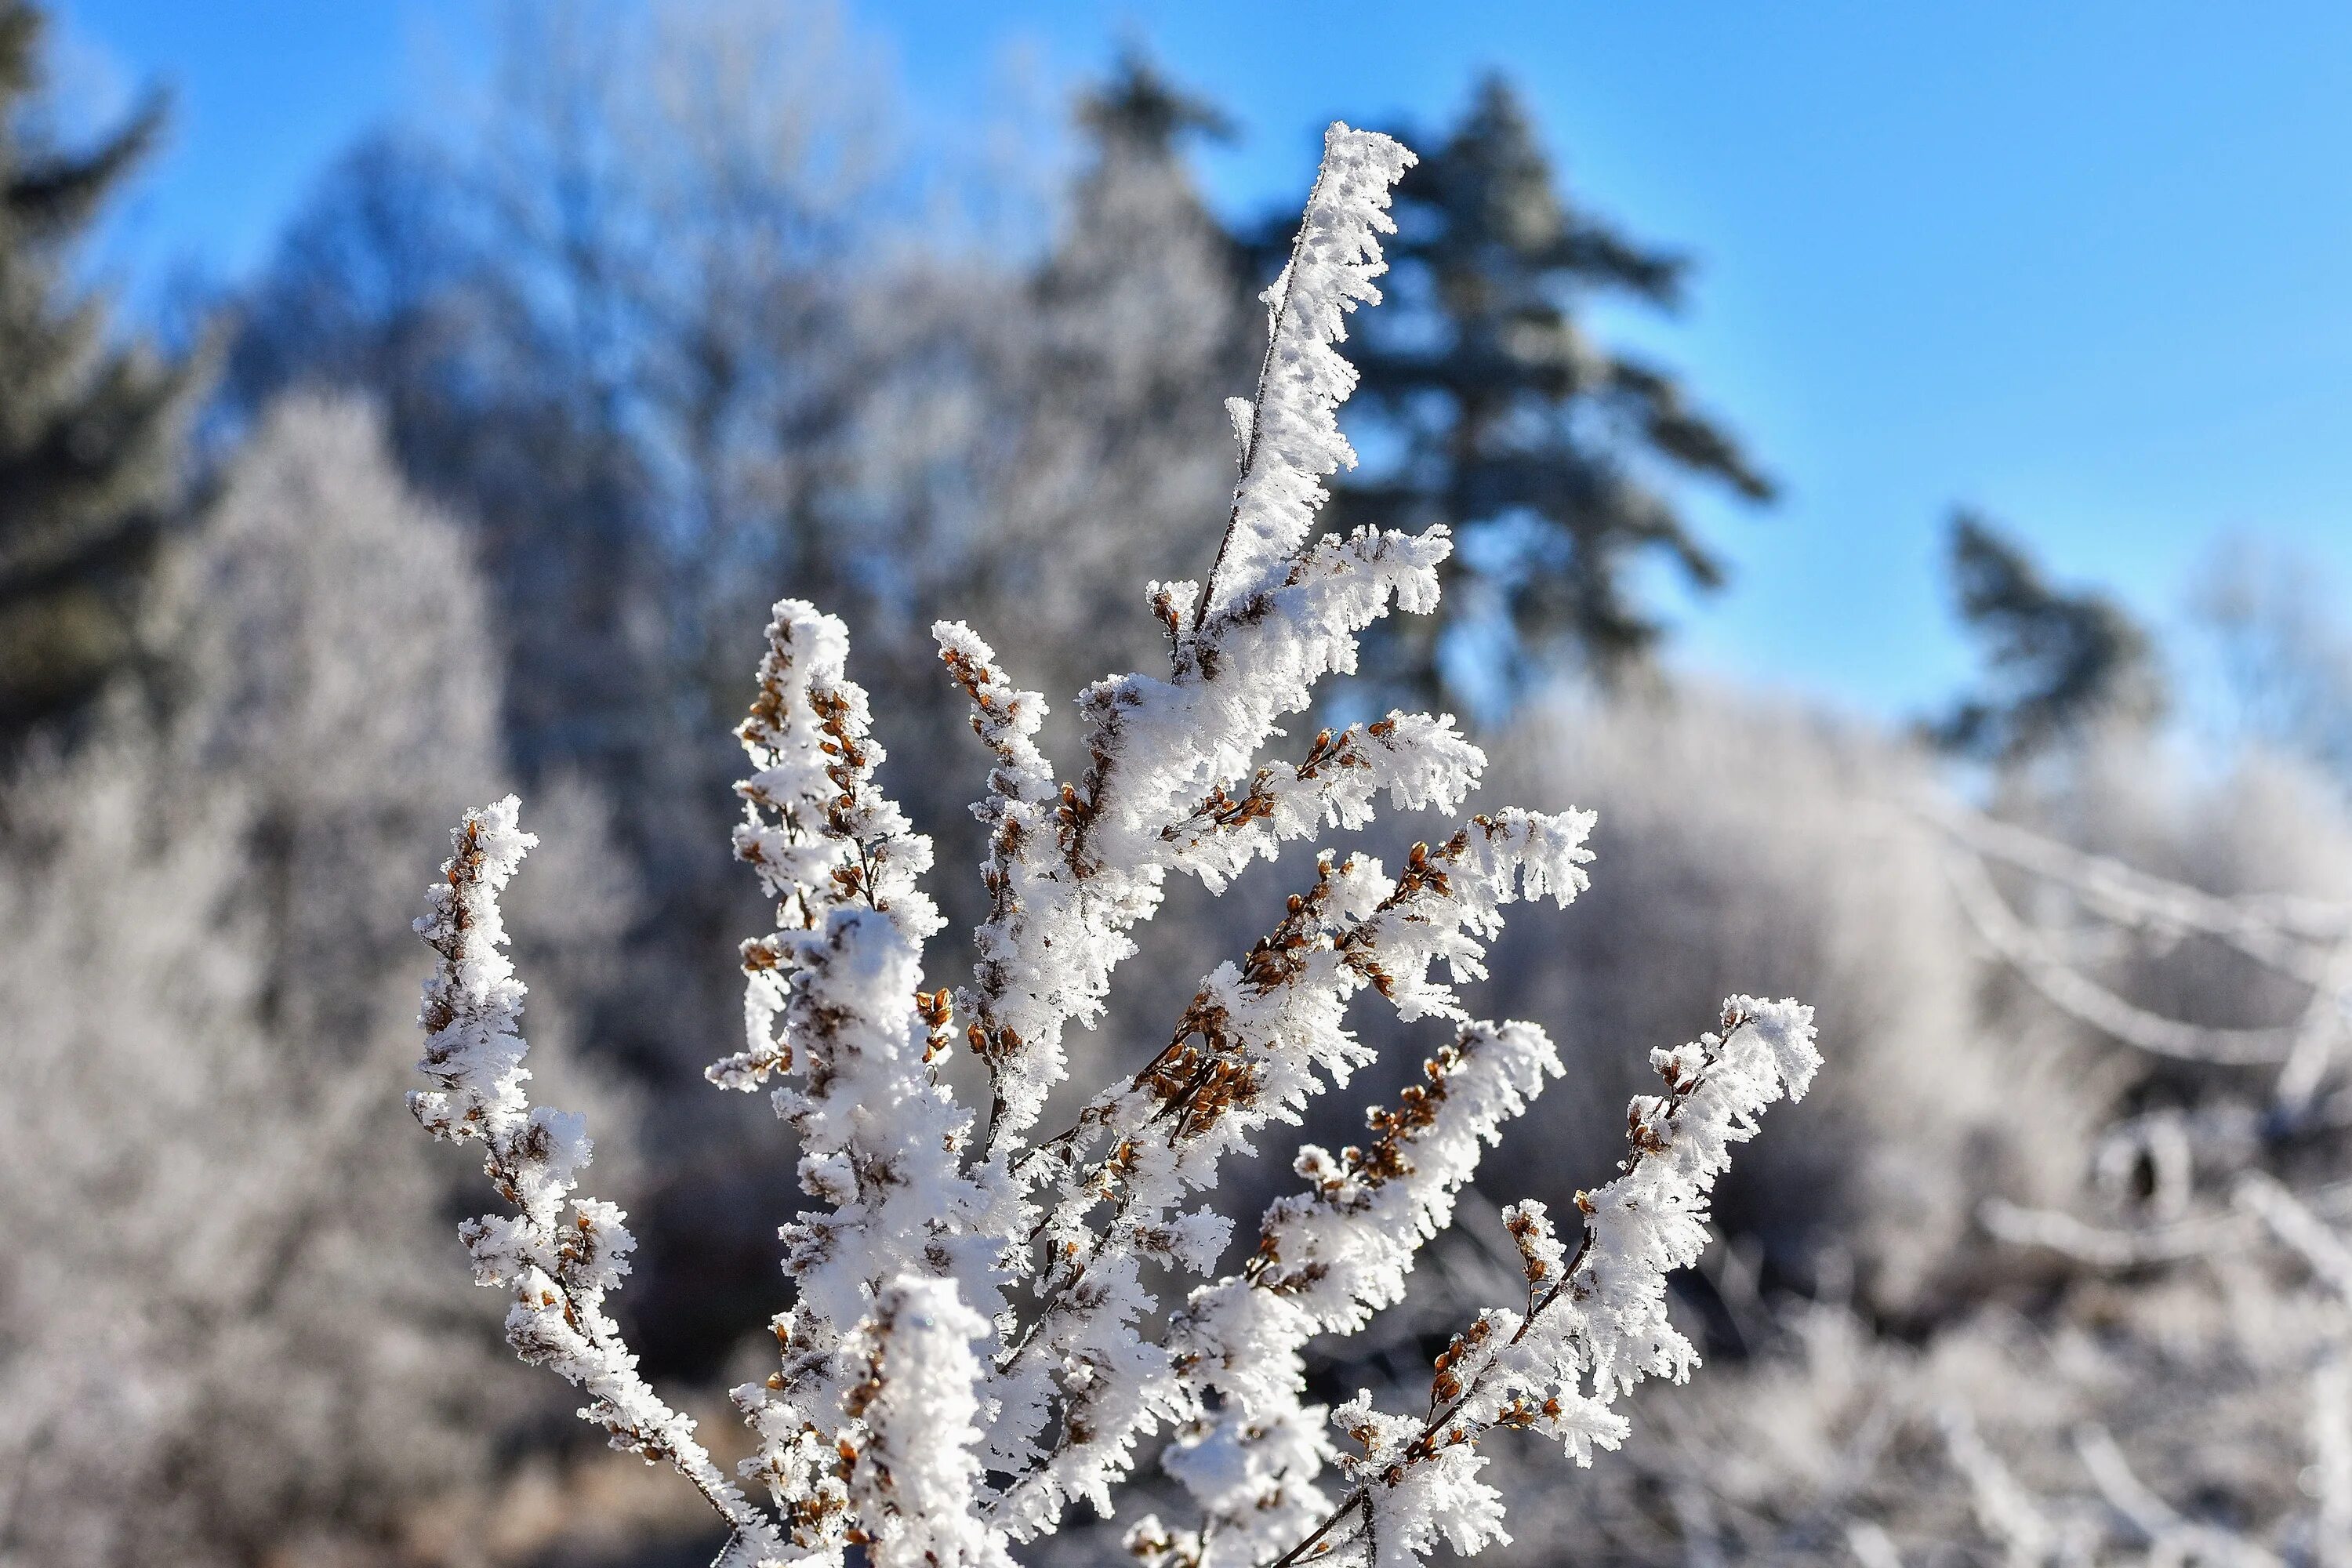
x=1133 y=336
x=89 y=428
x=657 y=334
x=211 y=1219
x=1496 y=412
x=2284 y=651
x=2058 y=663
x=592 y=325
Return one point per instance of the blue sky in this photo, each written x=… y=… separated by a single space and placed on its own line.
x=2088 y=268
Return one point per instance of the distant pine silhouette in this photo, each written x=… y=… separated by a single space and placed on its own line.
x=88 y=431
x=1500 y=417
x=2057 y=662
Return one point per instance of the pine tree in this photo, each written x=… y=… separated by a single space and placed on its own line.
x=2059 y=662
x=1541 y=447
x=90 y=431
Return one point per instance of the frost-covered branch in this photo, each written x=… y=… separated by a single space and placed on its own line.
x=2302 y=1232
x=2102 y=1248
x=2077 y=993
x=2275 y=930
x=2008 y=1512
x=981 y=1328
x=2172 y=1538
x=1082 y=864
x=2331 y=1446
x=1593 y=1326
x=880 y=1135
x=557 y=1270
x=1289 y=432
x=1256 y=1042
x=2305 y=939
x=2036 y=1532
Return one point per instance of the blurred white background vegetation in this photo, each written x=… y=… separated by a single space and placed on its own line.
x=488 y=482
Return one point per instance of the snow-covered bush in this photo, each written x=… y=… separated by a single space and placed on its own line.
x=227 y=1330
x=1746 y=836
x=2201 y=1279
x=976 y=1337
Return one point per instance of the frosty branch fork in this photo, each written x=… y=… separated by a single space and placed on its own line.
x=980 y=1328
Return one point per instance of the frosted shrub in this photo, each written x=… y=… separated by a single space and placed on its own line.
x=984 y=1322
x=1809 y=876
x=224 y=1334
x=2194 y=1401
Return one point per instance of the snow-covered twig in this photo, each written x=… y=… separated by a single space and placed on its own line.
x=2306 y=939
x=556 y=1270
x=2105 y=1248
x=2171 y=1538
x=880 y=1136
x=1593 y=1325
x=2304 y=1233
x=2319 y=1033
x=2331 y=1446
x=2077 y=993
x=1289 y=434
x=2008 y=1513
x=2276 y=931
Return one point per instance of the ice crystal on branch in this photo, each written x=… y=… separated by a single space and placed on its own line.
x=983 y=1326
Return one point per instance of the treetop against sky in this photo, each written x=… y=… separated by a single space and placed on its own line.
x=2076 y=270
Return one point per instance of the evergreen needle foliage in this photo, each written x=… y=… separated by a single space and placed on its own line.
x=89 y=429
x=1548 y=451
x=2060 y=663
